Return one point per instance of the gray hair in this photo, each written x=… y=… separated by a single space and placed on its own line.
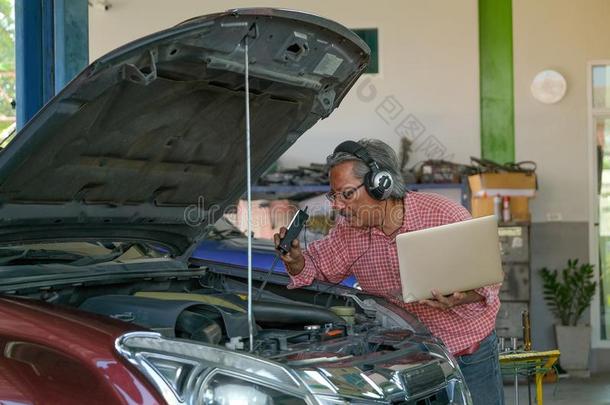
x=381 y=153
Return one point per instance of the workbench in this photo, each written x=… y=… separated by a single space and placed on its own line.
x=528 y=363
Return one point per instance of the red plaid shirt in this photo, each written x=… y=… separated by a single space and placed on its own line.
x=371 y=256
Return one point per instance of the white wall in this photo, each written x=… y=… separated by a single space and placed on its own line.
x=428 y=62
x=562 y=35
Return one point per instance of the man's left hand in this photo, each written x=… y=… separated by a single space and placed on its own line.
x=457 y=298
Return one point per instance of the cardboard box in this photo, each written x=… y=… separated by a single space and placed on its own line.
x=519 y=208
x=513 y=184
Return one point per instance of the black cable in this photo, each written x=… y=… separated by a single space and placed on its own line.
x=385 y=213
x=264 y=284
x=348 y=270
x=305 y=234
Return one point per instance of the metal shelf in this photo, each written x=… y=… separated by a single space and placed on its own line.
x=433 y=186
x=317 y=188
x=293 y=190
x=322 y=188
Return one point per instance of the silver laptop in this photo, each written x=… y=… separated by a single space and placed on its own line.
x=455 y=257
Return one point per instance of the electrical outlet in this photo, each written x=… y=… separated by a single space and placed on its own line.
x=554 y=216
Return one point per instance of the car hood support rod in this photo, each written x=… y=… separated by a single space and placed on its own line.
x=249 y=189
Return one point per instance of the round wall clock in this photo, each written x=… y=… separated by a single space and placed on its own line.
x=549 y=86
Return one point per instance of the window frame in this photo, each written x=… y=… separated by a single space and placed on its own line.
x=594 y=249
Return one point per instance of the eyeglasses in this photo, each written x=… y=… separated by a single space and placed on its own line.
x=345 y=195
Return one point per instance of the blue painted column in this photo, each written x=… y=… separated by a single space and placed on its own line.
x=48 y=51
x=52 y=46
x=28 y=59
x=71 y=40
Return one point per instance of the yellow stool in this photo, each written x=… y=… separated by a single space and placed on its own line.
x=529 y=363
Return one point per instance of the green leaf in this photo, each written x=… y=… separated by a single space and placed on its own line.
x=568 y=292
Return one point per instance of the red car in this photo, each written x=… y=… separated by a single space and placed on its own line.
x=107 y=191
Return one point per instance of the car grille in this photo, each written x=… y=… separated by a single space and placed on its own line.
x=437 y=398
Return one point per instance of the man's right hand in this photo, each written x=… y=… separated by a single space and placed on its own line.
x=293 y=260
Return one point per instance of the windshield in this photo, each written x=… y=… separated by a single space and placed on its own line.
x=77 y=253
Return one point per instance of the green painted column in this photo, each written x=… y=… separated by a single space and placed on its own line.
x=496 y=80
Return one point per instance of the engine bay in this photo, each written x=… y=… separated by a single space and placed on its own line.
x=209 y=305
x=293 y=331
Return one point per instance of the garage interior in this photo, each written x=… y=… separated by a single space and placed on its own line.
x=500 y=105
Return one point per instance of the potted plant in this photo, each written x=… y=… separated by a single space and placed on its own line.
x=568 y=293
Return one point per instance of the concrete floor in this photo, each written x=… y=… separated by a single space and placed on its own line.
x=585 y=391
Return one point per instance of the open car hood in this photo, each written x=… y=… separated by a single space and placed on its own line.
x=148 y=142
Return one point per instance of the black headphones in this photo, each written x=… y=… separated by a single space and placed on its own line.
x=378 y=182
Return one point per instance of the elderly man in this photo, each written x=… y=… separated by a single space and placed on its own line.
x=374 y=206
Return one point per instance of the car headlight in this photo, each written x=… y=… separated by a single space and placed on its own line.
x=194 y=373
x=232 y=390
